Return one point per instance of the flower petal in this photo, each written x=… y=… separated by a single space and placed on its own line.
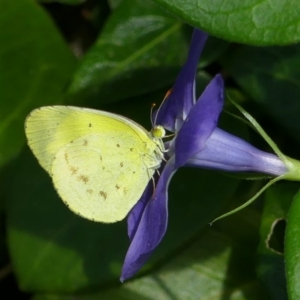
x=200 y=122
x=135 y=215
x=152 y=226
x=182 y=96
x=225 y=151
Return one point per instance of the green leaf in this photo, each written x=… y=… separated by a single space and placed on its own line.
x=249 y=21
x=33 y=69
x=113 y=4
x=79 y=254
x=211 y=266
x=270 y=77
x=69 y=2
x=141 y=49
x=214 y=47
x=4 y=259
x=292 y=246
x=270 y=250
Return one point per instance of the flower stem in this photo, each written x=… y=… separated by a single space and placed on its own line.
x=250 y=200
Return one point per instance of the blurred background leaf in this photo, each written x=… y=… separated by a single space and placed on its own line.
x=271 y=77
x=263 y=22
x=30 y=74
x=114 y=3
x=70 y=2
x=211 y=265
x=292 y=244
x=270 y=266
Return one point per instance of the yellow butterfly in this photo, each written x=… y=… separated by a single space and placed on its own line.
x=100 y=162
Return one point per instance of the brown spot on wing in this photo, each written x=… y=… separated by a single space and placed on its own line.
x=90 y=125
x=85 y=142
x=121 y=164
x=118 y=145
x=89 y=191
x=73 y=170
x=117 y=187
x=83 y=178
x=103 y=194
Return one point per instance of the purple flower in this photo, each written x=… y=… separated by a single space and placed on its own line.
x=197 y=143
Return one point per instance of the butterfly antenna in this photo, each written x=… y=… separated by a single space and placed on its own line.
x=151 y=112
x=168 y=93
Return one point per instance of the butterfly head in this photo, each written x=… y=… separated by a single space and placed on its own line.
x=158 y=132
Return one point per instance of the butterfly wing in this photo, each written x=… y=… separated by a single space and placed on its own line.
x=100 y=163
